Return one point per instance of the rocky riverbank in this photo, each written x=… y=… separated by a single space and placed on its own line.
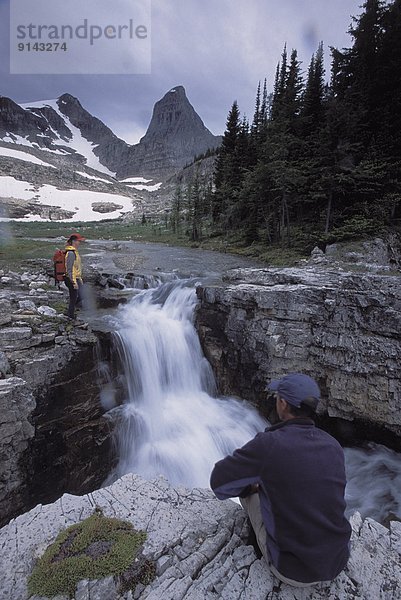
x=340 y=326
x=199 y=546
x=54 y=435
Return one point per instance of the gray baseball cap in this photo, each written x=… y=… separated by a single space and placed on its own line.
x=296 y=388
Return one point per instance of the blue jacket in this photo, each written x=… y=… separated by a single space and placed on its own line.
x=301 y=474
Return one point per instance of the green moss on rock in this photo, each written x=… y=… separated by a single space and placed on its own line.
x=97 y=547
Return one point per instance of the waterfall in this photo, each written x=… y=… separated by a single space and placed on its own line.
x=172 y=423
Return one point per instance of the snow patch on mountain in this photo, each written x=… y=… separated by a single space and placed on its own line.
x=148 y=188
x=77 y=201
x=92 y=177
x=136 y=180
x=14 y=188
x=78 y=143
x=25 y=156
x=140 y=183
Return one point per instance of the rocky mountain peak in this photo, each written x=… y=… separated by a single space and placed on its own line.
x=176 y=134
x=67 y=102
x=174 y=115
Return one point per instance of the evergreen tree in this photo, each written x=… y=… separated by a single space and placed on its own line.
x=176 y=210
x=322 y=159
x=196 y=213
x=264 y=108
x=228 y=173
x=314 y=94
x=256 y=117
x=279 y=86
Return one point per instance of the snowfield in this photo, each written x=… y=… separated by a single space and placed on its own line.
x=148 y=188
x=25 y=156
x=78 y=142
x=77 y=201
x=92 y=177
x=136 y=180
x=140 y=183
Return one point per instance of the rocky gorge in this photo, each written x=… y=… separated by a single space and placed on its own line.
x=54 y=435
x=339 y=324
x=336 y=321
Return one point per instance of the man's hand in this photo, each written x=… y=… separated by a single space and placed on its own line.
x=249 y=490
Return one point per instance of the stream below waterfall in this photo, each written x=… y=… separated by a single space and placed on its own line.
x=172 y=422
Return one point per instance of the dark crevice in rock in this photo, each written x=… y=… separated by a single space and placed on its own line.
x=68 y=443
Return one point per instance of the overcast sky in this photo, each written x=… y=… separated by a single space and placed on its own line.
x=217 y=49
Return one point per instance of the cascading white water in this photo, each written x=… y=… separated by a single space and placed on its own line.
x=373 y=482
x=172 y=423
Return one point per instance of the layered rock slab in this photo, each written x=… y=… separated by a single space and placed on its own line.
x=342 y=328
x=198 y=544
x=54 y=433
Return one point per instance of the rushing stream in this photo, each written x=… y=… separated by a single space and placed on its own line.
x=173 y=424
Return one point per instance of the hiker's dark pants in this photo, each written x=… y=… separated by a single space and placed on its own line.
x=75 y=296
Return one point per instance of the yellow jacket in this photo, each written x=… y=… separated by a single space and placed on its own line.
x=75 y=272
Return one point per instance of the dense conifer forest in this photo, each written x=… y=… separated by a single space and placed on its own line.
x=320 y=161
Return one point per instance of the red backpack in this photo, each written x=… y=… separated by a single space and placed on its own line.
x=59 y=266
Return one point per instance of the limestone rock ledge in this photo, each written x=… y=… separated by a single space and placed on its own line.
x=341 y=327
x=55 y=435
x=199 y=546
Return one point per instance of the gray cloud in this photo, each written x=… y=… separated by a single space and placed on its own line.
x=217 y=49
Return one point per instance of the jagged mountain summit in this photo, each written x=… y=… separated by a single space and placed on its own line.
x=59 y=162
x=176 y=135
x=63 y=127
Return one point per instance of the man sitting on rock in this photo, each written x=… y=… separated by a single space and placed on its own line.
x=291 y=481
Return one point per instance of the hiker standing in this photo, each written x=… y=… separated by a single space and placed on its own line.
x=73 y=273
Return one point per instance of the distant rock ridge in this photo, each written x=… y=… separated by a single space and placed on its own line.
x=175 y=135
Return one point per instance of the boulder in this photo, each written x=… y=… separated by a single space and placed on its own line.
x=35 y=285
x=115 y=283
x=47 y=311
x=27 y=305
x=105 y=207
x=199 y=546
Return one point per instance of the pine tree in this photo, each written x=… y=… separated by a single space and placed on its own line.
x=264 y=110
x=361 y=74
x=196 y=212
x=279 y=86
x=313 y=98
x=256 y=117
x=293 y=90
x=228 y=172
x=176 y=210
